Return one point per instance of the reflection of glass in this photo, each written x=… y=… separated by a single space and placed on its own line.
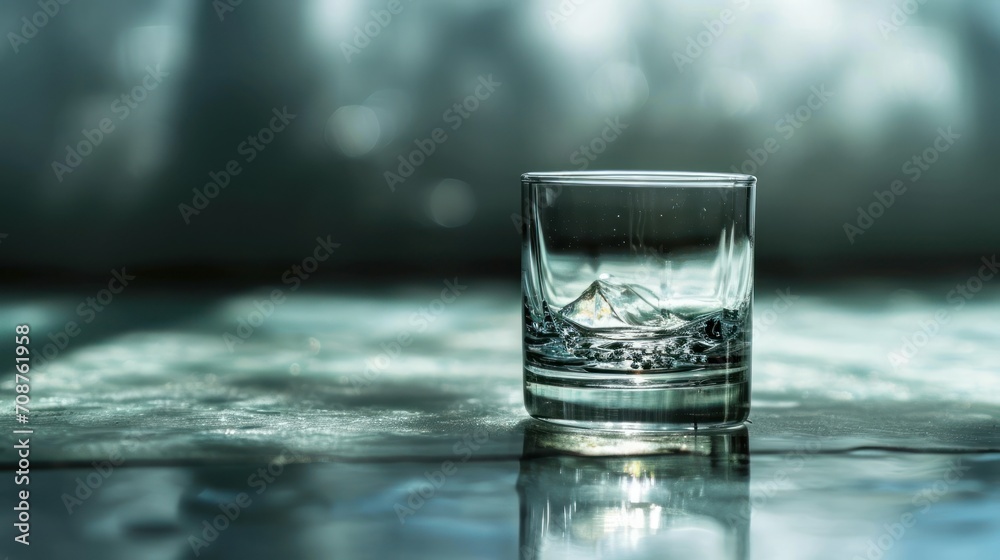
x=637 y=298
x=676 y=496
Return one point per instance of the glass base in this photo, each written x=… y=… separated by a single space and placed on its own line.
x=687 y=400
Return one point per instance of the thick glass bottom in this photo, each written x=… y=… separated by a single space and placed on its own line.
x=688 y=400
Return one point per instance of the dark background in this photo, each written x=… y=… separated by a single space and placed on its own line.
x=156 y=378
x=561 y=77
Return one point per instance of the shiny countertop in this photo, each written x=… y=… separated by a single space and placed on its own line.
x=356 y=423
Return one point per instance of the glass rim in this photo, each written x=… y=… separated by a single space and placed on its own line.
x=640 y=178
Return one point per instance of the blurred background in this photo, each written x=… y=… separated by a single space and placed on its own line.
x=227 y=143
x=117 y=116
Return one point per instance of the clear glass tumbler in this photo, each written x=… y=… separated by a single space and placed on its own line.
x=638 y=295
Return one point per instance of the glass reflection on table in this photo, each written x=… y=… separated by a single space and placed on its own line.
x=637 y=495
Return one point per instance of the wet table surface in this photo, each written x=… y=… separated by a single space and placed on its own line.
x=382 y=423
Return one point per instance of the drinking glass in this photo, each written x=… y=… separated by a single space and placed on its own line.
x=638 y=294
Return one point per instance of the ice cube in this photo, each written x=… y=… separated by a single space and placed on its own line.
x=608 y=305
